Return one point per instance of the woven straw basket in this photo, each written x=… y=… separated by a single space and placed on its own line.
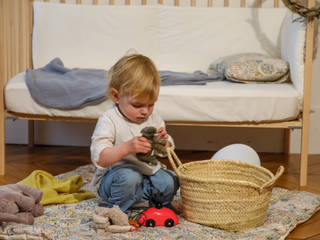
x=226 y=194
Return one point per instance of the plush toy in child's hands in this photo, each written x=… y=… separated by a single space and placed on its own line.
x=157 y=145
x=19 y=203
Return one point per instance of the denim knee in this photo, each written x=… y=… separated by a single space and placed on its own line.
x=127 y=177
x=122 y=186
x=161 y=187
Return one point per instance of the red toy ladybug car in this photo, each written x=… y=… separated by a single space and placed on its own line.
x=158 y=216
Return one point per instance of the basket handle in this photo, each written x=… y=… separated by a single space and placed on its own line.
x=173 y=159
x=274 y=179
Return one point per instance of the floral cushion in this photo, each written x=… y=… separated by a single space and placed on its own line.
x=251 y=68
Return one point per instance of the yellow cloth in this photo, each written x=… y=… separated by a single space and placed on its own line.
x=57 y=190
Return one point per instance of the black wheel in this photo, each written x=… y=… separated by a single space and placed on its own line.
x=169 y=222
x=150 y=223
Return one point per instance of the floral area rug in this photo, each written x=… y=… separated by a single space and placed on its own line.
x=74 y=221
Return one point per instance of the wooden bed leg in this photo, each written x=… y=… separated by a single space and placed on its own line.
x=304 y=153
x=286 y=141
x=31 y=133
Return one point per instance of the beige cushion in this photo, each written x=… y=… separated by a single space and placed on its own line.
x=252 y=68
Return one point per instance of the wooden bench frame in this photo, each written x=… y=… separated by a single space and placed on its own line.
x=16 y=21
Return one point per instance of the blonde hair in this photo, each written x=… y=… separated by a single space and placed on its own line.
x=135 y=75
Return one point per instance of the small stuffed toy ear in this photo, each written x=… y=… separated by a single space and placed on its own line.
x=26 y=190
x=23 y=217
x=8 y=206
x=37 y=210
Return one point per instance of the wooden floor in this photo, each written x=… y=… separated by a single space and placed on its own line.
x=21 y=161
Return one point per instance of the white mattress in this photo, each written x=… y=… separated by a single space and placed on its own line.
x=219 y=101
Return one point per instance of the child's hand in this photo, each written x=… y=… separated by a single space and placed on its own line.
x=138 y=145
x=162 y=133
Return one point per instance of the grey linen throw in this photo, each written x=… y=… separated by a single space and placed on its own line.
x=58 y=87
x=169 y=78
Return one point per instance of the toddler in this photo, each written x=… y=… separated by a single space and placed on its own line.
x=122 y=179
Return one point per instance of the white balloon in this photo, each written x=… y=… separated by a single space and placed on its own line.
x=239 y=152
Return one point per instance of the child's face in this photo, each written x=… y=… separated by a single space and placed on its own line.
x=136 y=111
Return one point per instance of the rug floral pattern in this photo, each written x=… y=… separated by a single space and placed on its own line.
x=74 y=221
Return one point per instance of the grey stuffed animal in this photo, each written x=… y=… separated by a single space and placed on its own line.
x=157 y=145
x=19 y=203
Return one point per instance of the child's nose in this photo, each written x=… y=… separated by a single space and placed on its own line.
x=144 y=110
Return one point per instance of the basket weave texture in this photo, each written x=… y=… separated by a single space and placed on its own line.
x=227 y=194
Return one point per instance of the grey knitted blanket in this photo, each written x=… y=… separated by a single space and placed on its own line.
x=59 y=87
x=181 y=78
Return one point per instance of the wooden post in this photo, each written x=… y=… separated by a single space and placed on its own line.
x=286 y=141
x=306 y=100
x=259 y=3
x=3 y=75
x=31 y=133
x=15 y=51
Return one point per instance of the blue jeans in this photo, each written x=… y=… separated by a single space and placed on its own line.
x=127 y=186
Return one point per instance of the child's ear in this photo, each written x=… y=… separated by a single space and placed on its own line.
x=114 y=95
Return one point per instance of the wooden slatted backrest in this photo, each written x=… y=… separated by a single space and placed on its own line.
x=15 y=32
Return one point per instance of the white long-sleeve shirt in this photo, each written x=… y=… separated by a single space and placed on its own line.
x=113 y=129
